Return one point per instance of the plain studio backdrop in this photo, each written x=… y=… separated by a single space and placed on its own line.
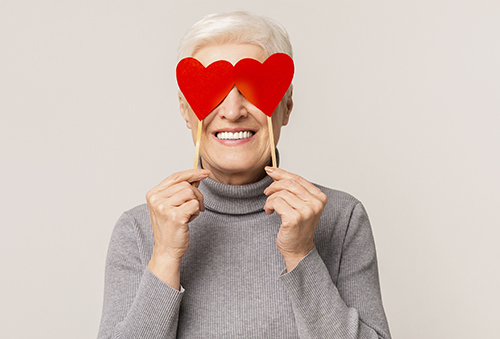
x=396 y=102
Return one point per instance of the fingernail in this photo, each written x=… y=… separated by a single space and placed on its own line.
x=269 y=169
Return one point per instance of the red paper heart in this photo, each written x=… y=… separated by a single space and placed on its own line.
x=264 y=84
x=204 y=88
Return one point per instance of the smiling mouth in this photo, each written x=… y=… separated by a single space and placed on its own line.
x=234 y=135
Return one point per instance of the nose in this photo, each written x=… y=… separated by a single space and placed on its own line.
x=233 y=108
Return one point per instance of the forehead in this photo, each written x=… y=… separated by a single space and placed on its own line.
x=232 y=52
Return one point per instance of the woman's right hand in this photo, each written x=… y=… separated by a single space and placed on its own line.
x=173 y=204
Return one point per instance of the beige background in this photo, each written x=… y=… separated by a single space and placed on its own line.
x=396 y=102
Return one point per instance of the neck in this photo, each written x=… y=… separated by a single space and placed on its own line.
x=237 y=177
x=234 y=199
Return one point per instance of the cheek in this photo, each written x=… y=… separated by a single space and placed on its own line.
x=277 y=119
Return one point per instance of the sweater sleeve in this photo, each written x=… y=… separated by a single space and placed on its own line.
x=137 y=304
x=352 y=308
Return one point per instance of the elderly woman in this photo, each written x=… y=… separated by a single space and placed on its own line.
x=248 y=251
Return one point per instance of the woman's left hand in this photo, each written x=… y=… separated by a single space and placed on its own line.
x=300 y=204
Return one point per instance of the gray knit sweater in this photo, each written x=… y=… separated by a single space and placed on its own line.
x=234 y=284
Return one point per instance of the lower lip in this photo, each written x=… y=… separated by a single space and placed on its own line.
x=237 y=142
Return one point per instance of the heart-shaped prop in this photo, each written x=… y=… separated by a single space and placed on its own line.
x=264 y=85
x=204 y=88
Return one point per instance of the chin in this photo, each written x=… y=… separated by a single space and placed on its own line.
x=238 y=166
x=235 y=163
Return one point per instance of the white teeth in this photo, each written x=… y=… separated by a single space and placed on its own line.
x=234 y=136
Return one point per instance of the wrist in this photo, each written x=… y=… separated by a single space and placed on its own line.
x=292 y=259
x=167 y=269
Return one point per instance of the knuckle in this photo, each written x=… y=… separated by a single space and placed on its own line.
x=161 y=208
x=176 y=176
x=308 y=213
x=182 y=193
x=185 y=184
x=194 y=203
x=279 y=199
x=320 y=204
x=152 y=199
x=278 y=195
x=323 y=198
x=191 y=195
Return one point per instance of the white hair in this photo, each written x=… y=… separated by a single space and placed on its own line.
x=237 y=27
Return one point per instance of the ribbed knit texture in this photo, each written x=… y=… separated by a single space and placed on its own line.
x=233 y=280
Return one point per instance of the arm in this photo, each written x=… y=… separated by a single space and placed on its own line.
x=353 y=308
x=137 y=304
x=139 y=301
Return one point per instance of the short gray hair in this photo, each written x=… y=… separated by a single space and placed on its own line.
x=236 y=27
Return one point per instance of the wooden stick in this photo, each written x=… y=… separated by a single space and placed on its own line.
x=197 y=149
x=271 y=140
x=198 y=139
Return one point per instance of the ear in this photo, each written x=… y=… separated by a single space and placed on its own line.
x=184 y=108
x=288 y=109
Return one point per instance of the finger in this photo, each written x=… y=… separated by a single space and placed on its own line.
x=269 y=206
x=183 y=189
x=283 y=209
x=291 y=186
x=178 y=215
x=183 y=197
x=193 y=216
x=291 y=199
x=190 y=210
x=302 y=210
x=279 y=174
x=189 y=176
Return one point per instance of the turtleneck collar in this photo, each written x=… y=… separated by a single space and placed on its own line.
x=235 y=199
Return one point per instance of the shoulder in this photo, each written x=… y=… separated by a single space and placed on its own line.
x=132 y=235
x=338 y=200
x=342 y=209
x=342 y=223
x=138 y=213
x=134 y=221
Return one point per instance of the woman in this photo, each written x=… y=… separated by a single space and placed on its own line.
x=248 y=251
